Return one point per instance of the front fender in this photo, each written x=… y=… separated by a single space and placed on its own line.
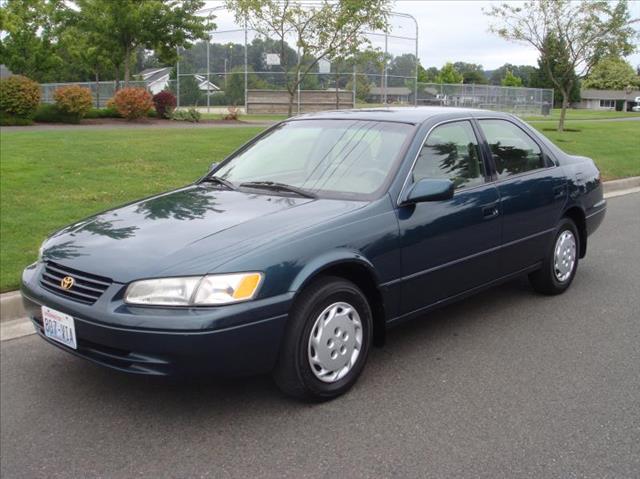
x=325 y=261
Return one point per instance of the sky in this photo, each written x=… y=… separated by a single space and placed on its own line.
x=454 y=30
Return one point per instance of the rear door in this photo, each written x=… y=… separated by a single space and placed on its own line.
x=532 y=193
x=449 y=246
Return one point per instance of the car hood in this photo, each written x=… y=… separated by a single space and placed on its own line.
x=184 y=232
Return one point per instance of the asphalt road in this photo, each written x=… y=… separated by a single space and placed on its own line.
x=506 y=384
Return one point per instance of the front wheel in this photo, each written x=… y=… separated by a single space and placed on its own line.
x=560 y=265
x=327 y=341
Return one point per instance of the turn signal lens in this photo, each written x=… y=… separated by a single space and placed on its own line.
x=214 y=289
x=227 y=288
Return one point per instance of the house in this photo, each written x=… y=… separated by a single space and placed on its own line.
x=5 y=72
x=157 y=79
x=607 y=99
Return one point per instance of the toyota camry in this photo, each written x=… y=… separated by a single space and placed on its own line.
x=296 y=253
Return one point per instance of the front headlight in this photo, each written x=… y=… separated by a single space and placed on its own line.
x=214 y=289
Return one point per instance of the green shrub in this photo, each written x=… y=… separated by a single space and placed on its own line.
x=9 y=120
x=192 y=115
x=73 y=100
x=49 y=113
x=108 y=112
x=19 y=98
x=133 y=103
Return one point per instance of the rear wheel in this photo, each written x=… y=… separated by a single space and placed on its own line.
x=327 y=341
x=560 y=265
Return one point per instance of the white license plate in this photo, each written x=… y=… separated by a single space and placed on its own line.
x=59 y=327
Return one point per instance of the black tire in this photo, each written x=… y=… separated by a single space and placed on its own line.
x=544 y=280
x=293 y=372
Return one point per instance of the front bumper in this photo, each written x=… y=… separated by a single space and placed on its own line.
x=229 y=340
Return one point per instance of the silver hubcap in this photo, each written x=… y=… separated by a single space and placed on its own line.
x=564 y=257
x=335 y=342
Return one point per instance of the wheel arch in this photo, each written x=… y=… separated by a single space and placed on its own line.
x=576 y=214
x=356 y=268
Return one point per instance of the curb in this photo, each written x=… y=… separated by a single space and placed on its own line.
x=11 y=303
x=11 y=306
x=623 y=184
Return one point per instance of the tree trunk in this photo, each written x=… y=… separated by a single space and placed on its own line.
x=563 y=111
x=291 y=98
x=117 y=72
x=337 y=94
x=97 y=90
x=127 y=67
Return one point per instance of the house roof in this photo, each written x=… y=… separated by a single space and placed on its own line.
x=591 y=94
x=5 y=72
x=153 y=74
x=202 y=83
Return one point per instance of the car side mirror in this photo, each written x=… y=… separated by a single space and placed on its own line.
x=429 y=190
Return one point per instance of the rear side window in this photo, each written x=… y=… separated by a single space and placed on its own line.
x=451 y=152
x=514 y=152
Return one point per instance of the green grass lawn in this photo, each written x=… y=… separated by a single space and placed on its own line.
x=613 y=145
x=51 y=178
x=583 y=115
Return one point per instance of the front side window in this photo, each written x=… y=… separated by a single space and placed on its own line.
x=514 y=151
x=451 y=152
x=349 y=158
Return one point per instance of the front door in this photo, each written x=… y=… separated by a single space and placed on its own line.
x=449 y=246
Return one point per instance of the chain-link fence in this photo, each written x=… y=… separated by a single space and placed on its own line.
x=517 y=100
x=218 y=72
x=101 y=92
x=236 y=58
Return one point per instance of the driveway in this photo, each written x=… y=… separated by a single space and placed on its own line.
x=506 y=384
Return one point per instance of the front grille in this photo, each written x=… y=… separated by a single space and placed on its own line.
x=87 y=288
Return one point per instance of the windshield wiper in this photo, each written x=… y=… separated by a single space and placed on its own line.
x=275 y=186
x=220 y=181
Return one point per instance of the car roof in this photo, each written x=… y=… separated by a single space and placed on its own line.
x=407 y=114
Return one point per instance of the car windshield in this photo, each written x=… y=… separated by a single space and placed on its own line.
x=348 y=158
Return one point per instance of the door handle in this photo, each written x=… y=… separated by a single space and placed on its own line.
x=490 y=211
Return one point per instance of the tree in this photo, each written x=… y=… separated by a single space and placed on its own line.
x=511 y=80
x=584 y=32
x=471 y=73
x=526 y=73
x=30 y=45
x=362 y=86
x=325 y=29
x=234 y=86
x=448 y=74
x=429 y=75
x=156 y=25
x=556 y=61
x=189 y=93
x=612 y=73
x=85 y=58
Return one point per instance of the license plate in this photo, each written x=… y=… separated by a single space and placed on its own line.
x=59 y=327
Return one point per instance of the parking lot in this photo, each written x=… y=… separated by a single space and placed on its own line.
x=505 y=384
